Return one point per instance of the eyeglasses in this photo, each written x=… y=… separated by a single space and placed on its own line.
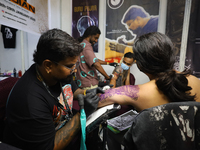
x=72 y=70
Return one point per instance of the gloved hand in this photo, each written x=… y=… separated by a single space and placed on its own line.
x=90 y=103
x=91 y=100
x=95 y=90
x=117 y=47
x=113 y=64
x=121 y=41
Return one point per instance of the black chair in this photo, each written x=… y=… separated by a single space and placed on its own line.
x=173 y=126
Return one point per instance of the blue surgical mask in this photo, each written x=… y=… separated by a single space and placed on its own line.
x=124 y=66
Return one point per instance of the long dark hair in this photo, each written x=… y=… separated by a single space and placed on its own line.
x=92 y=30
x=154 y=54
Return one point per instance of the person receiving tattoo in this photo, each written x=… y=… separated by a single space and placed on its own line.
x=154 y=54
x=121 y=74
x=39 y=111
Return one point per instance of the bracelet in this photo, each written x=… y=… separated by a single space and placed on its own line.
x=84 y=93
x=108 y=63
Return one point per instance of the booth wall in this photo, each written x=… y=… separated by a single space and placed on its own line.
x=60 y=17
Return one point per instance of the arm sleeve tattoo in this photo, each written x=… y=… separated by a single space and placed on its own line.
x=128 y=90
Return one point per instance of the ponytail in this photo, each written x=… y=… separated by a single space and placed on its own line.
x=175 y=85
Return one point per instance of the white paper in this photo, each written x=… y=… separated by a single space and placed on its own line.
x=98 y=113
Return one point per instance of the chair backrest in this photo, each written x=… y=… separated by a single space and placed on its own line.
x=5 y=88
x=132 y=79
x=166 y=127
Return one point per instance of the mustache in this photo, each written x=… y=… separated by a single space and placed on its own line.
x=68 y=79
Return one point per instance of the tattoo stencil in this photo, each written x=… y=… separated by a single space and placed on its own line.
x=128 y=90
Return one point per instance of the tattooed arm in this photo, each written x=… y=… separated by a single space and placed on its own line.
x=67 y=133
x=116 y=73
x=124 y=95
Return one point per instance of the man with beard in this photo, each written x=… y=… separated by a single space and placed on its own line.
x=86 y=72
x=39 y=111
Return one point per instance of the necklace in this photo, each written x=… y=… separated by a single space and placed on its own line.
x=68 y=111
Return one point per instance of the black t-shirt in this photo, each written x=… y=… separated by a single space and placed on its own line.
x=30 y=113
x=9 y=36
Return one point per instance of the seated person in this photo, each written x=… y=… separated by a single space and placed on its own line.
x=121 y=74
x=43 y=96
x=155 y=56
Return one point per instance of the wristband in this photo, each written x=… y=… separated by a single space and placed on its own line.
x=84 y=93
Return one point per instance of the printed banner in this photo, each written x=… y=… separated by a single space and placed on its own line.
x=84 y=14
x=30 y=15
x=174 y=29
x=122 y=25
x=193 y=46
x=174 y=25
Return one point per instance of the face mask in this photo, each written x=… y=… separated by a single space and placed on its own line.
x=124 y=66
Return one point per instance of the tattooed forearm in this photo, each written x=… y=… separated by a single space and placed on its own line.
x=67 y=133
x=128 y=90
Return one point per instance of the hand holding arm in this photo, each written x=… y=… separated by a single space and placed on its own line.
x=117 y=71
x=90 y=103
x=113 y=80
x=98 y=66
x=91 y=100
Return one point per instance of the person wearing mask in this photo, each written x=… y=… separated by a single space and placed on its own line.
x=121 y=74
x=39 y=111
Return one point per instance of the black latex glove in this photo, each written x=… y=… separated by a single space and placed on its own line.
x=95 y=90
x=110 y=85
x=90 y=103
x=113 y=64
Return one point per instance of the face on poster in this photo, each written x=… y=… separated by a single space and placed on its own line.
x=84 y=14
x=125 y=20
